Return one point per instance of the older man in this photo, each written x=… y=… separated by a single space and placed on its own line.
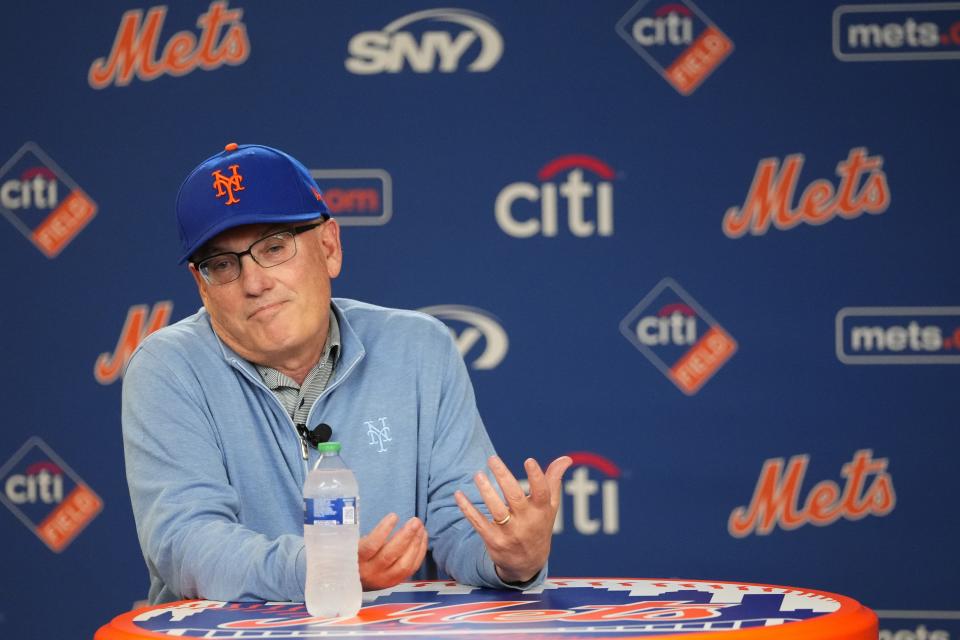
x=218 y=409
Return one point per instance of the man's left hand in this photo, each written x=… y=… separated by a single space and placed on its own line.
x=518 y=537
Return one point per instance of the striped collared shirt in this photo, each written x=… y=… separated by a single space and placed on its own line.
x=298 y=399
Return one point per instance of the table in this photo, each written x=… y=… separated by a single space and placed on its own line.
x=567 y=608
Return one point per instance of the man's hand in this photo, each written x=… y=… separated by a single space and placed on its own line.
x=386 y=561
x=518 y=537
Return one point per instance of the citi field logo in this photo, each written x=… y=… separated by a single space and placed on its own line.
x=588 y=203
x=41 y=201
x=594 y=491
x=868 y=490
x=46 y=495
x=141 y=321
x=898 y=335
x=134 y=51
x=877 y=32
x=678 y=336
x=677 y=39
x=862 y=189
x=406 y=41
x=357 y=197
x=479 y=336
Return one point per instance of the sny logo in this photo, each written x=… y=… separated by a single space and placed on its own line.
x=387 y=50
x=873 y=32
x=478 y=324
x=138 y=325
x=677 y=40
x=33 y=200
x=863 y=188
x=135 y=47
x=898 y=335
x=668 y=326
x=378 y=435
x=575 y=190
x=231 y=183
x=357 y=197
x=46 y=495
x=777 y=493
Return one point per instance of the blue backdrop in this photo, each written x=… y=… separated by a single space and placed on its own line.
x=708 y=248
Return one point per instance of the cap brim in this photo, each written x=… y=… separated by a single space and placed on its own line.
x=250 y=218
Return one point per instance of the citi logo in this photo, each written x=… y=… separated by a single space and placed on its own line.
x=134 y=49
x=35 y=188
x=588 y=203
x=41 y=482
x=898 y=335
x=469 y=326
x=673 y=324
x=868 y=490
x=396 y=45
x=141 y=321
x=770 y=201
x=670 y=24
x=48 y=497
x=594 y=504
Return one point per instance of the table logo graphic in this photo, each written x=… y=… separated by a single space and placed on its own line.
x=406 y=41
x=587 y=607
x=357 y=197
x=883 y=32
x=134 y=49
x=471 y=327
x=776 y=498
x=677 y=39
x=589 y=203
x=862 y=189
x=41 y=201
x=678 y=336
x=898 y=335
x=141 y=321
x=46 y=495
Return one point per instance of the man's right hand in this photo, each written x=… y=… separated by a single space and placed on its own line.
x=387 y=560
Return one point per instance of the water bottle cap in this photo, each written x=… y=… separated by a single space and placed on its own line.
x=328 y=447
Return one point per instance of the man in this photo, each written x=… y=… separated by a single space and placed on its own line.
x=218 y=407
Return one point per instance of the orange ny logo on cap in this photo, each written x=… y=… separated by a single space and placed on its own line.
x=231 y=183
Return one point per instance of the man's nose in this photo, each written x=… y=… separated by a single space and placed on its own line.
x=253 y=277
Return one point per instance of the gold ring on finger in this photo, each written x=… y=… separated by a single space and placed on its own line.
x=505 y=520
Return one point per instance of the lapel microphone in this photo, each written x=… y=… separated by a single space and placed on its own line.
x=321 y=433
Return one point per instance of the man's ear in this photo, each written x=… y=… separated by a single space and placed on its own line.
x=332 y=250
x=201 y=283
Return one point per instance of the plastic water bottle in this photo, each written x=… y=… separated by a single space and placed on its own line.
x=331 y=532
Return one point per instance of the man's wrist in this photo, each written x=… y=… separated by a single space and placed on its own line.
x=514 y=577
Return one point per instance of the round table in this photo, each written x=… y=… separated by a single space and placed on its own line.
x=567 y=608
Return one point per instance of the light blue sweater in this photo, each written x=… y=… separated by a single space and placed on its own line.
x=215 y=468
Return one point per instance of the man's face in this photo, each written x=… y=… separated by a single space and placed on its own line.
x=275 y=316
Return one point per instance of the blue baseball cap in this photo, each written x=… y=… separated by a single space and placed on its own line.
x=244 y=184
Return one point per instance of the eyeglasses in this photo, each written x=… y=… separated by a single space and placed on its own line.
x=267 y=252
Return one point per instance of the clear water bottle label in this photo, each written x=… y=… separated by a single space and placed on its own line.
x=329 y=511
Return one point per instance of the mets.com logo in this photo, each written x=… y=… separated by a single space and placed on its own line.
x=46 y=495
x=408 y=40
x=678 y=336
x=677 y=39
x=41 y=201
x=882 y=32
x=559 y=607
x=589 y=202
x=898 y=335
x=357 y=197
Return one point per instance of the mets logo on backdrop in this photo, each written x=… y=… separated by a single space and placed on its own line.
x=407 y=41
x=357 y=197
x=135 y=47
x=678 y=336
x=677 y=40
x=559 y=607
x=589 y=202
x=776 y=498
x=898 y=335
x=862 y=189
x=912 y=31
x=141 y=321
x=46 y=495
x=471 y=327
x=41 y=201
